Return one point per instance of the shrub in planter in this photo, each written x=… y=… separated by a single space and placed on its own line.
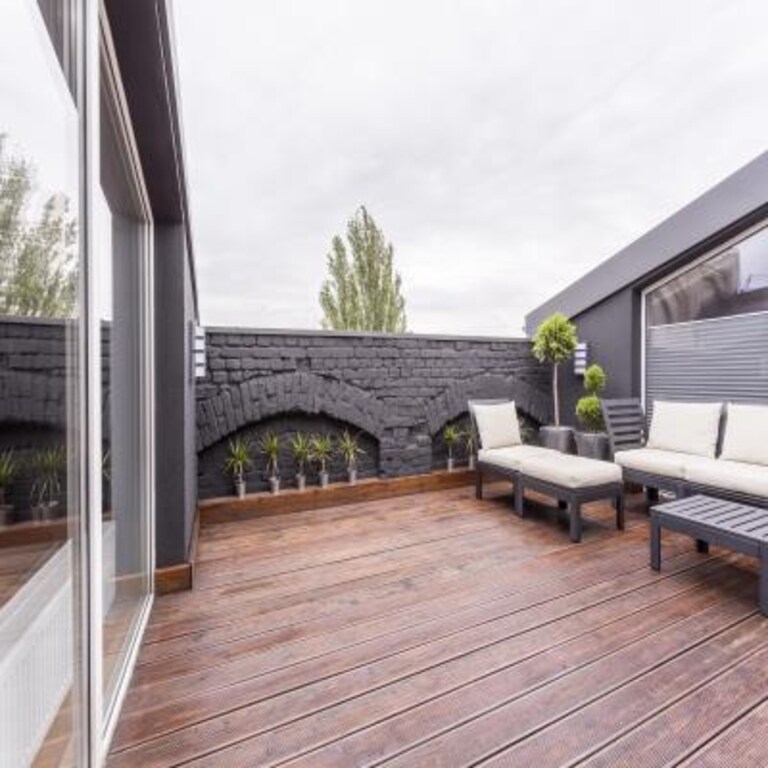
x=301 y=448
x=451 y=435
x=555 y=342
x=269 y=445
x=350 y=450
x=592 y=442
x=321 y=451
x=238 y=461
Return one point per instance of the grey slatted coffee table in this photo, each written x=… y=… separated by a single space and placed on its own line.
x=738 y=527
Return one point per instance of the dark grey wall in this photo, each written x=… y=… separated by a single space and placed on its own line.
x=612 y=331
x=174 y=397
x=397 y=391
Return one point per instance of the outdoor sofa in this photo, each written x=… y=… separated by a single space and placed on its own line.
x=709 y=448
x=572 y=480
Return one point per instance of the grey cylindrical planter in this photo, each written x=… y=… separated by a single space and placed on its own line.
x=301 y=481
x=352 y=476
x=471 y=463
x=274 y=485
x=557 y=438
x=450 y=464
x=592 y=445
x=323 y=479
x=240 y=489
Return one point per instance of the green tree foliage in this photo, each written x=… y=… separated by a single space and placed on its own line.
x=554 y=342
x=589 y=411
x=38 y=257
x=362 y=292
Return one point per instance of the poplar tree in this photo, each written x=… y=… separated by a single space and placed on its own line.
x=363 y=290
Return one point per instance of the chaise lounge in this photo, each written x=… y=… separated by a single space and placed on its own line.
x=572 y=480
x=708 y=448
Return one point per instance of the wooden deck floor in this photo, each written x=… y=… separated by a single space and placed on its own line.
x=435 y=630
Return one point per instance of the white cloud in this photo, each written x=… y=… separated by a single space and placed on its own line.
x=504 y=147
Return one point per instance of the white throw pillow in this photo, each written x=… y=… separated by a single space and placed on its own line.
x=685 y=427
x=497 y=425
x=746 y=434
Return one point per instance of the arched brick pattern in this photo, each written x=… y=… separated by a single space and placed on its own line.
x=262 y=397
x=453 y=402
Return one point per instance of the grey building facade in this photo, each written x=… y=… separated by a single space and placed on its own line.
x=682 y=312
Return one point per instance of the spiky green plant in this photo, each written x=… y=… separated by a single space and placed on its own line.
x=48 y=465
x=452 y=435
x=350 y=449
x=269 y=447
x=321 y=450
x=238 y=459
x=301 y=449
x=7 y=472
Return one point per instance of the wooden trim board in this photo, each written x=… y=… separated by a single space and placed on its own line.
x=230 y=509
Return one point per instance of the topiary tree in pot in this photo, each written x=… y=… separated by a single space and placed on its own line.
x=555 y=342
x=592 y=442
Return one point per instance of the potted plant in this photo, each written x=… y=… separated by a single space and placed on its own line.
x=301 y=449
x=47 y=466
x=555 y=342
x=470 y=444
x=593 y=441
x=321 y=450
x=350 y=451
x=7 y=474
x=237 y=462
x=451 y=435
x=269 y=445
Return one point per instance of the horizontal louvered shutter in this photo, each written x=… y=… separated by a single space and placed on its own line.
x=721 y=359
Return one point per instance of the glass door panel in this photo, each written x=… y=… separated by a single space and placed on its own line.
x=40 y=418
x=123 y=251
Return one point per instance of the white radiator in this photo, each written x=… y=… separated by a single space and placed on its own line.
x=35 y=659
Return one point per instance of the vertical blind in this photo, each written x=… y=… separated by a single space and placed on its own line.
x=723 y=359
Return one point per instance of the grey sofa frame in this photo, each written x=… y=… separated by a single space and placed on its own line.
x=625 y=422
x=570 y=499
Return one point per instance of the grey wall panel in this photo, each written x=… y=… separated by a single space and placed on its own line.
x=723 y=359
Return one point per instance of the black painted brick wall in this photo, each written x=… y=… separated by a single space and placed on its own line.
x=399 y=389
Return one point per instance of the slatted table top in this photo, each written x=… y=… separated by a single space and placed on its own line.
x=726 y=516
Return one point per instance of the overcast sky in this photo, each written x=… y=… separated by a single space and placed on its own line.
x=504 y=147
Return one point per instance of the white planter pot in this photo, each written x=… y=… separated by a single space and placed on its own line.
x=301 y=482
x=352 y=476
x=450 y=465
x=472 y=463
x=274 y=485
x=323 y=479
x=240 y=489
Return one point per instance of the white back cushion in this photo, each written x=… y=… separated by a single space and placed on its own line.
x=497 y=425
x=746 y=434
x=685 y=427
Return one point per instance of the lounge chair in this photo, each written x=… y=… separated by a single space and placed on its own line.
x=572 y=480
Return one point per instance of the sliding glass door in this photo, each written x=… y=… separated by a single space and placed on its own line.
x=124 y=254
x=42 y=552
x=76 y=394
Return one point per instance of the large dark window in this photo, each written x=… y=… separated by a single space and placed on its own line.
x=734 y=282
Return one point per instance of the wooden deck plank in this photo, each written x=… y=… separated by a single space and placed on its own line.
x=430 y=630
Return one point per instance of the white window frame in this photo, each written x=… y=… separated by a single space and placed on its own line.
x=711 y=254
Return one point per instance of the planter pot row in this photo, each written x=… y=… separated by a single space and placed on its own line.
x=301 y=483
x=591 y=445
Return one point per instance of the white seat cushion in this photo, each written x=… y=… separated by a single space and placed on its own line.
x=746 y=434
x=497 y=425
x=685 y=427
x=654 y=461
x=570 y=471
x=511 y=458
x=730 y=475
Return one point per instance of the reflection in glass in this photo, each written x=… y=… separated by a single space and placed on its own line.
x=734 y=282
x=39 y=505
